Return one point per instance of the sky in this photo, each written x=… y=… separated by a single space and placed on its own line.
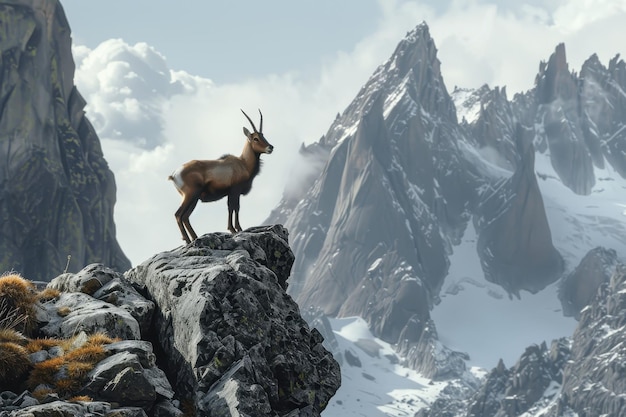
x=165 y=84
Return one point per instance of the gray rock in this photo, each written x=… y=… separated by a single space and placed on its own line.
x=127 y=378
x=56 y=351
x=130 y=387
x=89 y=315
x=107 y=369
x=165 y=408
x=62 y=409
x=39 y=356
x=121 y=293
x=88 y=280
x=107 y=285
x=25 y=399
x=141 y=348
x=127 y=412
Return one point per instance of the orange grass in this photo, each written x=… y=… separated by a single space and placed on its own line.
x=101 y=339
x=87 y=353
x=14 y=361
x=48 y=294
x=18 y=295
x=35 y=345
x=81 y=398
x=13 y=336
x=43 y=372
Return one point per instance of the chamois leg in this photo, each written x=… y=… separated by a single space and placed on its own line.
x=179 y=221
x=233 y=206
x=182 y=216
x=187 y=213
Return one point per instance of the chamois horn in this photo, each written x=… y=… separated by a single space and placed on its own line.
x=252 y=123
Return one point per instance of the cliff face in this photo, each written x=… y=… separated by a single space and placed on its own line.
x=510 y=215
x=57 y=192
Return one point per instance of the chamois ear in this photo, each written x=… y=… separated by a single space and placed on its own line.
x=246 y=132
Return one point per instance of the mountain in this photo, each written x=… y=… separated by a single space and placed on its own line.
x=57 y=194
x=402 y=180
x=424 y=210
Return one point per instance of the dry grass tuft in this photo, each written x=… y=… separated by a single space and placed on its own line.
x=14 y=362
x=67 y=386
x=41 y=391
x=48 y=294
x=44 y=372
x=87 y=353
x=63 y=375
x=35 y=345
x=81 y=398
x=12 y=336
x=101 y=338
x=64 y=311
x=18 y=297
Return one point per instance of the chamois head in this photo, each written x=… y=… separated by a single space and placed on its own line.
x=256 y=139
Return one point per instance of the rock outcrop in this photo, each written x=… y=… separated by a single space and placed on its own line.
x=233 y=338
x=216 y=332
x=56 y=191
x=579 y=288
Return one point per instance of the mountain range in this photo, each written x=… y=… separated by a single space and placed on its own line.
x=409 y=177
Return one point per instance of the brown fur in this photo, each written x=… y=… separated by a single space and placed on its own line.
x=211 y=180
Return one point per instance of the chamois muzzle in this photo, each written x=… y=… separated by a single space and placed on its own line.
x=269 y=149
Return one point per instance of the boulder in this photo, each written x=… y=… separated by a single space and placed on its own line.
x=107 y=285
x=71 y=313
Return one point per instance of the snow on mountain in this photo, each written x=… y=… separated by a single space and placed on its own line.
x=374 y=383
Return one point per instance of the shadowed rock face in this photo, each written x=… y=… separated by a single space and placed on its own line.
x=56 y=190
x=579 y=288
x=233 y=338
x=515 y=243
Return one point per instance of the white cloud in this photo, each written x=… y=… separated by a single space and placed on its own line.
x=127 y=88
x=151 y=119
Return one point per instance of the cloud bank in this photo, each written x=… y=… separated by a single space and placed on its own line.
x=151 y=118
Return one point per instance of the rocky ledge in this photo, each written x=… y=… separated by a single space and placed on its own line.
x=206 y=328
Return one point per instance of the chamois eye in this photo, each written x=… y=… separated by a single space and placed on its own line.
x=256 y=139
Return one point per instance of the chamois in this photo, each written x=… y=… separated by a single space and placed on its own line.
x=212 y=180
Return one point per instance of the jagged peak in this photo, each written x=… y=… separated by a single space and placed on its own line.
x=554 y=79
x=416 y=45
x=556 y=63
